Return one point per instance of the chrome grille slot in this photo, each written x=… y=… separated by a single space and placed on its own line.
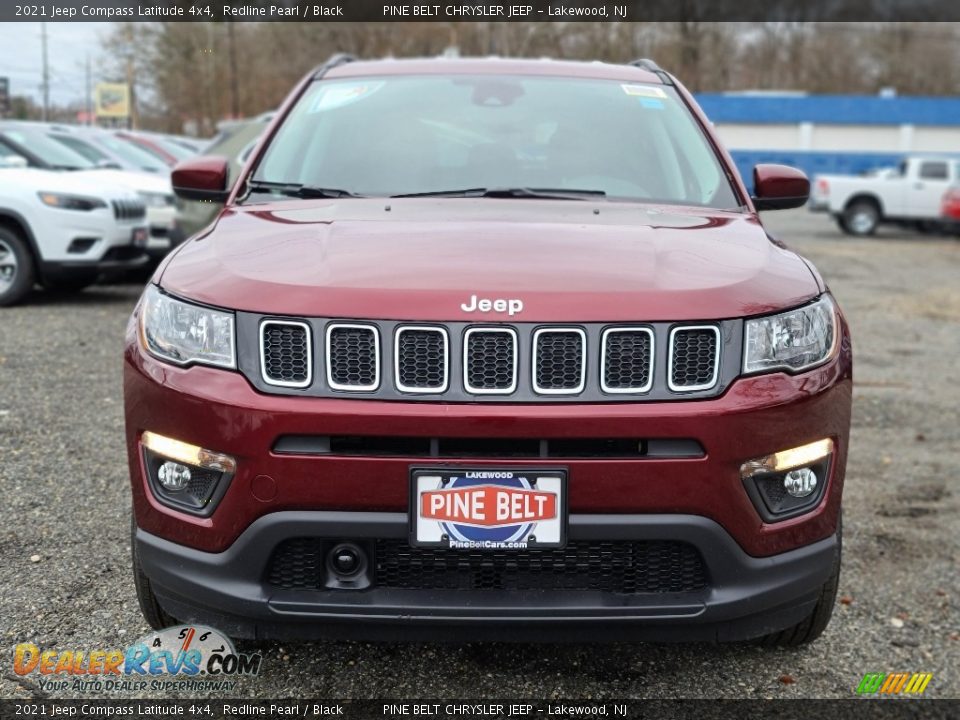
x=353 y=357
x=694 y=360
x=627 y=360
x=490 y=361
x=559 y=361
x=471 y=362
x=129 y=209
x=421 y=357
x=286 y=353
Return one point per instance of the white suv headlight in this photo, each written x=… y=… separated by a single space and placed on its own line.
x=182 y=333
x=794 y=340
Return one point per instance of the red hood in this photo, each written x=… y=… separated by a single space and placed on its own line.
x=420 y=259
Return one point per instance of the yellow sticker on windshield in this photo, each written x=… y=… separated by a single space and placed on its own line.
x=644 y=91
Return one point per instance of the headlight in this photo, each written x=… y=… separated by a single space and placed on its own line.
x=71 y=202
x=183 y=333
x=156 y=200
x=793 y=341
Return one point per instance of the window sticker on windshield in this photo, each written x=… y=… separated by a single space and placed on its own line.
x=652 y=103
x=644 y=91
x=337 y=96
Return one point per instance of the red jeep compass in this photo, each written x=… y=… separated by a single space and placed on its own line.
x=495 y=349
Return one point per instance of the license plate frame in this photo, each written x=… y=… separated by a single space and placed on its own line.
x=528 y=490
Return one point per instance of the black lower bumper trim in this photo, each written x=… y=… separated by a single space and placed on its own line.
x=747 y=596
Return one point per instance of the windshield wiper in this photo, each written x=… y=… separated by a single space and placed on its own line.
x=298 y=190
x=508 y=192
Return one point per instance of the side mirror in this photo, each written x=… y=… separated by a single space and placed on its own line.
x=202 y=178
x=778 y=187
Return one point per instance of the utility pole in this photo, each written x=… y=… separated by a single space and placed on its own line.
x=234 y=79
x=131 y=75
x=89 y=106
x=46 y=72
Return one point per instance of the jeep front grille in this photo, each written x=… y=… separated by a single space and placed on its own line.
x=693 y=357
x=125 y=210
x=286 y=354
x=627 y=360
x=353 y=357
x=462 y=362
x=559 y=361
x=490 y=361
x=421 y=359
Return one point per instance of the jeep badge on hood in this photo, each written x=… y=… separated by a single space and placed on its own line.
x=510 y=306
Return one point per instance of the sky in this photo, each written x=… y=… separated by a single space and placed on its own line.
x=68 y=45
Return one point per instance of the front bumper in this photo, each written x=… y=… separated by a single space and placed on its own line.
x=746 y=597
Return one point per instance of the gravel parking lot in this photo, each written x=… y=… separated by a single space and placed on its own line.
x=65 y=579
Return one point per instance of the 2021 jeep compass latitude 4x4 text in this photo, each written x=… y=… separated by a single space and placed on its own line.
x=488 y=349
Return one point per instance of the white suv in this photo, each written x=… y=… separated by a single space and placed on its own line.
x=74 y=150
x=62 y=230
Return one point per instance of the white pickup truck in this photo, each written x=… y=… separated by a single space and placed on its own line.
x=911 y=195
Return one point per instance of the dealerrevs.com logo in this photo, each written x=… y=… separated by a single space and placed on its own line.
x=185 y=657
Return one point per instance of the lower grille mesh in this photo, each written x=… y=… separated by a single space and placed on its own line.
x=621 y=567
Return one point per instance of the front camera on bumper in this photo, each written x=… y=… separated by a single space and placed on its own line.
x=185 y=476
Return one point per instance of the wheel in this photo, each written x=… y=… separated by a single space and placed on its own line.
x=156 y=616
x=861 y=218
x=812 y=626
x=842 y=224
x=17 y=271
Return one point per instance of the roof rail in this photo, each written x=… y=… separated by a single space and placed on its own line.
x=651 y=66
x=334 y=61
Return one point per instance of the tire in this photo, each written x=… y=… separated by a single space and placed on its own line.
x=812 y=626
x=153 y=613
x=861 y=218
x=842 y=224
x=17 y=268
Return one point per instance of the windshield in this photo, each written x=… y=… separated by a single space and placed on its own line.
x=49 y=150
x=429 y=134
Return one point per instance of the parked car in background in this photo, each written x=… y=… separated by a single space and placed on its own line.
x=43 y=148
x=234 y=141
x=950 y=208
x=105 y=149
x=62 y=229
x=910 y=197
x=160 y=147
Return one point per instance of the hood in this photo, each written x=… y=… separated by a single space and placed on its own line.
x=136 y=181
x=422 y=259
x=78 y=183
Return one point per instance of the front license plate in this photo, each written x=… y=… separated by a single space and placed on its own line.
x=488 y=509
x=140 y=237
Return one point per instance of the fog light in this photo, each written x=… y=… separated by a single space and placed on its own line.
x=800 y=483
x=173 y=476
x=788 y=459
x=185 y=476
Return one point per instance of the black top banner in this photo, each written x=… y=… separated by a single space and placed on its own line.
x=480 y=11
